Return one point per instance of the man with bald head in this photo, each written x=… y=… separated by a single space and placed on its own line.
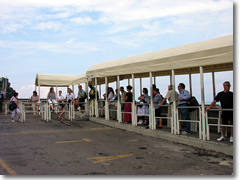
x=226 y=99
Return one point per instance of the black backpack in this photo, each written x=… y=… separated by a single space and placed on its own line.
x=192 y=101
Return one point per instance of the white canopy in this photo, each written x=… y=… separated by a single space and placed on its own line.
x=217 y=51
x=79 y=79
x=59 y=80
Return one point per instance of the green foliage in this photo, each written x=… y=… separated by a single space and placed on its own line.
x=10 y=91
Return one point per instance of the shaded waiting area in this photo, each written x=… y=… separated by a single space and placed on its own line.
x=210 y=56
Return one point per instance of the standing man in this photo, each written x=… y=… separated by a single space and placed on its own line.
x=226 y=99
x=81 y=98
x=171 y=96
x=182 y=101
x=122 y=97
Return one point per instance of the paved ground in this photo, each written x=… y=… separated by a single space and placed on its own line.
x=89 y=148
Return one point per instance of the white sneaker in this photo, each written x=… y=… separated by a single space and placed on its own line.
x=81 y=116
x=139 y=122
x=13 y=121
x=221 y=138
x=19 y=120
x=231 y=139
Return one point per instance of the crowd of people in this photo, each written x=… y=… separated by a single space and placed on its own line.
x=126 y=98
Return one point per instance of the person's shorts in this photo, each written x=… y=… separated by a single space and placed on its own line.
x=158 y=112
x=81 y=100
x=227 y=116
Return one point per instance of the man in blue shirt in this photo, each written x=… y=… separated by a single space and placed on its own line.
x=182 y=101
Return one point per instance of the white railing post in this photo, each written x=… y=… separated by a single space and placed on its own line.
x=203 y=103
x=134 y=123
x=119 y=115
x=96 y=100
x=174 y=108
x=106 y=101
x=151 y=103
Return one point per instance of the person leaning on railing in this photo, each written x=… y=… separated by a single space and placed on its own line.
x=226 y=99
x=34 y=100
x=143 y=109
x=62 y=105
x=128 y=105
x=171 y=95
x=81 y=99
x=157 y=100
x=182 y=101
x=51 y=98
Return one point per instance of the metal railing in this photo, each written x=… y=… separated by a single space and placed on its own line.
x=199 y=121
x=165 y=117
x=86 y=110
x=218 y=125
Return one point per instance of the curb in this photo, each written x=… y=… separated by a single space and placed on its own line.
x=206 y=145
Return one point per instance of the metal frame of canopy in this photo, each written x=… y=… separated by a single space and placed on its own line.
x=219 y=49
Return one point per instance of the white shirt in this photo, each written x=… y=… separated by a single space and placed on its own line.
x=110 y=96
x=60 y=97
x=13 y=99
x=70 y=96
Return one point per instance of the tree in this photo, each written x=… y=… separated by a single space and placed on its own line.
x=10 y=91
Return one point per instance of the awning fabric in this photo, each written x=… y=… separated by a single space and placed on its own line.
x=59 y=80
x=212 y=54
x=79 y=79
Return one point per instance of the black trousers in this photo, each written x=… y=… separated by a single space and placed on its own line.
x=0 y=105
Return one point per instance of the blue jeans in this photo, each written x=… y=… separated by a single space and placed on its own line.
x=185 y=116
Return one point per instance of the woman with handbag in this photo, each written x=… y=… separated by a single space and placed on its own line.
x=13 y=100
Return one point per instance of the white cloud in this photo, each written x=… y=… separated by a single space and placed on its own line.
x=57 y=47
x=106 y=10
x=80 y=20
x=48 y=25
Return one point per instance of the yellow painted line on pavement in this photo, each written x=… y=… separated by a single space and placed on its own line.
x=108 y=158
x=87 y=140
x=7 y=168
x=49 y=132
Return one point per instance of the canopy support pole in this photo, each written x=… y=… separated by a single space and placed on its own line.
x=87 y=100
x=141 y=84
x=39 y=92
x=203 y=104
x=190 y=81
x=134 y=123
x=96 y=100
x=154 y=79
x=151 y=118
x=174 y=109
x=119 y=117
x=213 y=82
x=106 y=101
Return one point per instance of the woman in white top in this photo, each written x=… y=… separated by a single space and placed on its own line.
x=110 y=94
x=34 y=100
x=14 y=99
x=60 y=100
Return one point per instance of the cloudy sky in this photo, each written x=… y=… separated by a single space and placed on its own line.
x=68 y=37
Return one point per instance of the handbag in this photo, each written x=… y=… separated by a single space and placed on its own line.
x=12 y=106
